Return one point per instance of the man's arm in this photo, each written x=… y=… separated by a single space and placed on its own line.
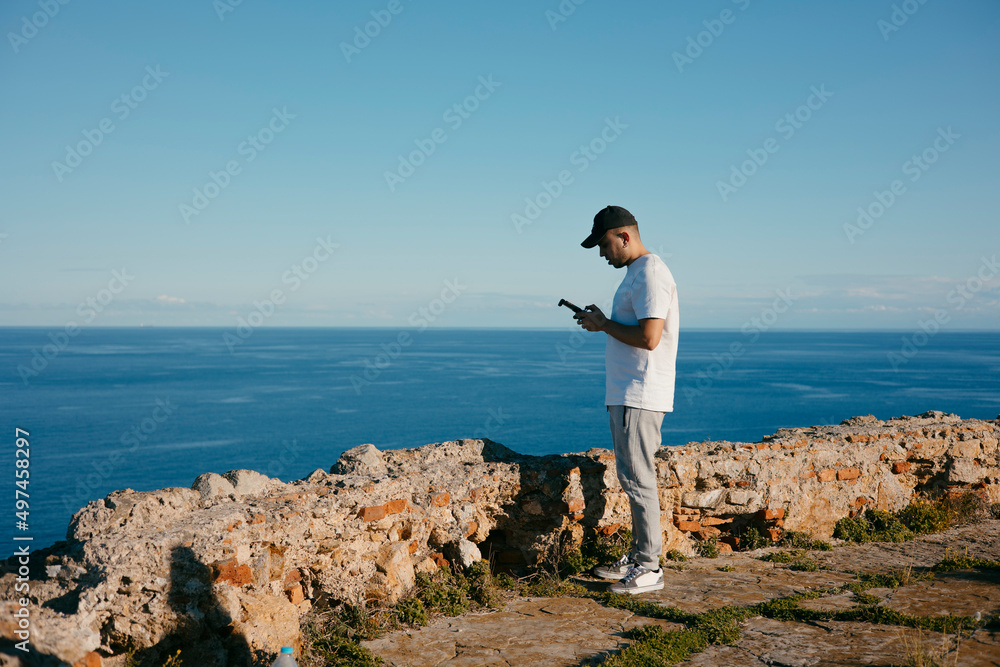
x=645 y=335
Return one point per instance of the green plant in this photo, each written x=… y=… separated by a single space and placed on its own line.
x=866 y=598
x=727 y=568
x=440 y=593
x=781 y=557
x=548 y=585
x=651 y=645
x=411 y=611
x=873 y=526
x=953 y=560
x=708 y=548
x=336 y=651
x=676 y=555
x=795 y=558
x=752 y=537
x=359 y=622
x=805 y=565
x=328 y=641
x=505 y=582
x=798 y=540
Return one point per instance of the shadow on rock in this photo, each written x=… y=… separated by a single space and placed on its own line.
x=559 y=500
x=205 y=634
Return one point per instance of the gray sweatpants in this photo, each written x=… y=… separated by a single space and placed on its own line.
x=636 y=434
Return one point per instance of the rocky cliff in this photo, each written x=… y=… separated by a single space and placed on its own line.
x=226 y=568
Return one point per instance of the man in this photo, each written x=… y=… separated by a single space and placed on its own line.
x=639 y=363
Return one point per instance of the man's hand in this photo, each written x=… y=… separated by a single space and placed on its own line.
x=645 y=335
x=592 y=319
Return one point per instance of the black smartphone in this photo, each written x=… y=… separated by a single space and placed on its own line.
x=576 y=309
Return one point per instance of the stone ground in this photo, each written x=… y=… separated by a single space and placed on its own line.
x=564 y=631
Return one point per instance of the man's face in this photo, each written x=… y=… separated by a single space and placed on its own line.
x=612 y=249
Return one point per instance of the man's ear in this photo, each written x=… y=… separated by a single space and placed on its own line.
x=624 y=236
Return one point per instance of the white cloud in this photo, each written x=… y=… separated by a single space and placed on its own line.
x=163 y=298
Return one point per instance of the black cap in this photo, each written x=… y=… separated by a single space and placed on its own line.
x=610 y=217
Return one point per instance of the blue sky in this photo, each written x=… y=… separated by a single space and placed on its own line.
x=868 y=85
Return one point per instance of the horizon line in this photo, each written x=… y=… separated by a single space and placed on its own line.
x=480 y=328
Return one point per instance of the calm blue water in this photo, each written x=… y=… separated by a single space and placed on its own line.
x=285 y=403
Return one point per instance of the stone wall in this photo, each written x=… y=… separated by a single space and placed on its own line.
x=227 y=568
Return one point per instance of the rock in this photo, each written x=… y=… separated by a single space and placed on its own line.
x=249 y=483
x=741 y=497
x=394 y=561
x=235 y=550
x=860 y=420
x=438 y=537
x=462 y=553
x=964 y=471
x=706 y=500
x=363 y=460
x=213 y=486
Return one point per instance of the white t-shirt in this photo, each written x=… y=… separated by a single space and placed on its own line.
x=636 y=377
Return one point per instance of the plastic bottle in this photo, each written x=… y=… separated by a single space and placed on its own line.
x=285 y=658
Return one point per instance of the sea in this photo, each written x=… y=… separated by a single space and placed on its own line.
x=148 y=408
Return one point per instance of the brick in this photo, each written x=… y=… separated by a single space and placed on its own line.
x=808 y=475
x=848 y=473
x=725 y=548
x=774 y=534
x=576 y=517
x=439 y=559
x=92 y=659
x=373 y=513
x=858 y=438
x=827 y=475
x=779 y=523
x=575 y=505
x=609 y=529
x=397 y=506
x=762 y=445
x=232 y=573
x=714 y=521
x=292 y=576
x=295 y=594
x=900 y=467
x=771 y=514
x=440 y=499
x=707 y=533
x=731 y=540
x=688 y=526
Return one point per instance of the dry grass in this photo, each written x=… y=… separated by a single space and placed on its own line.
x=921 y=653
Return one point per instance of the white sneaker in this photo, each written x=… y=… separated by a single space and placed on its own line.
x=639 y=580
x=616 y=570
